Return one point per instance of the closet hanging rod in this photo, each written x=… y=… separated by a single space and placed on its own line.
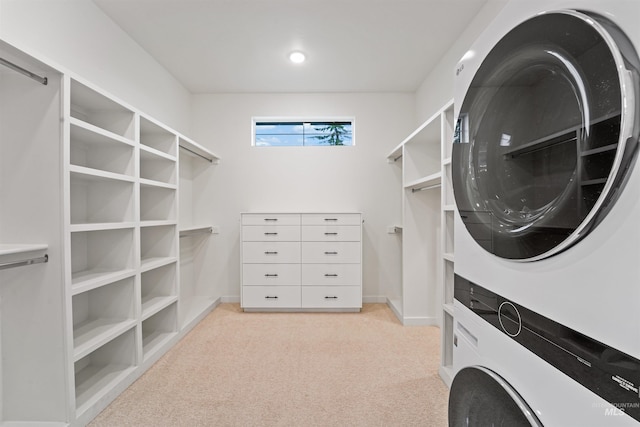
x=203 y=230
x=24 y=262
x=197 y=154
x=24 y=71
x=428 y=187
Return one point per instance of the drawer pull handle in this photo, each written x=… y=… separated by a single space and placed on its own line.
x=271 y=252
x=330 y=275
x=331 y=253
x=331 y=219
x=268 y=297
x=334 y=297
x=270 y=234
x=271 y=219
x=270 y=275
x=330 y=234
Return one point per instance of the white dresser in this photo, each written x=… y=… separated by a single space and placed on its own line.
x=301 y=261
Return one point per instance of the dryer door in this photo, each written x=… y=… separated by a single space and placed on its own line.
x=546 y=135
x=480 y=397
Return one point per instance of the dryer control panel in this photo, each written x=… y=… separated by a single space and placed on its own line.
x=606 y=371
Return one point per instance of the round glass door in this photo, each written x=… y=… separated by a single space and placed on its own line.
x=546 y=134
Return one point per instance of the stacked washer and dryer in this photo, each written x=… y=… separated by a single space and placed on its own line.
x=547 y=240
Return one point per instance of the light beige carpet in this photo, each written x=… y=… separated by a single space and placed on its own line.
x=291 y=369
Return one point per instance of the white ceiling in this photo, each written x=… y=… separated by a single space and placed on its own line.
x=227 y=46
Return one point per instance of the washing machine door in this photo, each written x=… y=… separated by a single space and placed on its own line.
x=479 y=397
x=546 y=135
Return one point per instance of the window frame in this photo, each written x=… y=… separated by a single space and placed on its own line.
x=302 y=120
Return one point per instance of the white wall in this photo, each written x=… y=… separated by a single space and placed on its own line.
x=304 y=178
x=437 y=87
x=78 y=36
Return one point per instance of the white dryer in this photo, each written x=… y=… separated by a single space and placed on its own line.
x=547 y=186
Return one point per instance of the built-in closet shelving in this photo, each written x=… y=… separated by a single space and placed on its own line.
x=32 y=363
x=102 y=240
x=128 y=301
x=447 y=251
x=196 y=169
x=425 y=295
x=90 y=243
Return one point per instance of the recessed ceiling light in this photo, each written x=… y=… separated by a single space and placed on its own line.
x=297 y=57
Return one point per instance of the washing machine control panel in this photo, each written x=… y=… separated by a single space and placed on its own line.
x=606 y=371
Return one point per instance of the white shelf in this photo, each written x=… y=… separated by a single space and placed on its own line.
x=154 y=304
x=449 y=208
x=101 y=314
x=78 y=228
x=90 y=279
x=95 y=135
x=198 y=150
x=157 y=137
x=98 y=373
x=154 y=341
x=446 y=161
x=155 y=262
x=395 y=154
x=95 y=381
x=448 y=256
x=157 y=184
x=92 y=107
x=19 y=248
x=427 y=182
x=151 y=153
x=98 y=174
x=93 y=334
x=157 y=223
x=158 y=329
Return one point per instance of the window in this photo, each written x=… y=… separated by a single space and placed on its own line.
x=297 y=133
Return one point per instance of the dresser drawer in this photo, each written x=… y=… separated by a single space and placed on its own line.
x=271 y=296
x=331 y=233
x=270 y=219
x=270 y=252
x=331 y=274
x=271 y=233
x=331 y=297
x=331 y=252
x=270 y=274
x=331 y=219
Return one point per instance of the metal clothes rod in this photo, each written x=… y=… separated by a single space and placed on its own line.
x=396 y=158
x=42 y=80
x=428 y=187
x=205 y=230
x=23 y=262
x=197 y=154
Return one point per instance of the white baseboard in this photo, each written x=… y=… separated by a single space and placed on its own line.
x=396 y=308
x=374 y=299
x=366 y=299
x=419 y=321
x=394 y=305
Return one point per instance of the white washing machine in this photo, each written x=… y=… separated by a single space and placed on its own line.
x=547 y=186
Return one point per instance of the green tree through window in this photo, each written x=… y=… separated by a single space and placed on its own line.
x=333 y=134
